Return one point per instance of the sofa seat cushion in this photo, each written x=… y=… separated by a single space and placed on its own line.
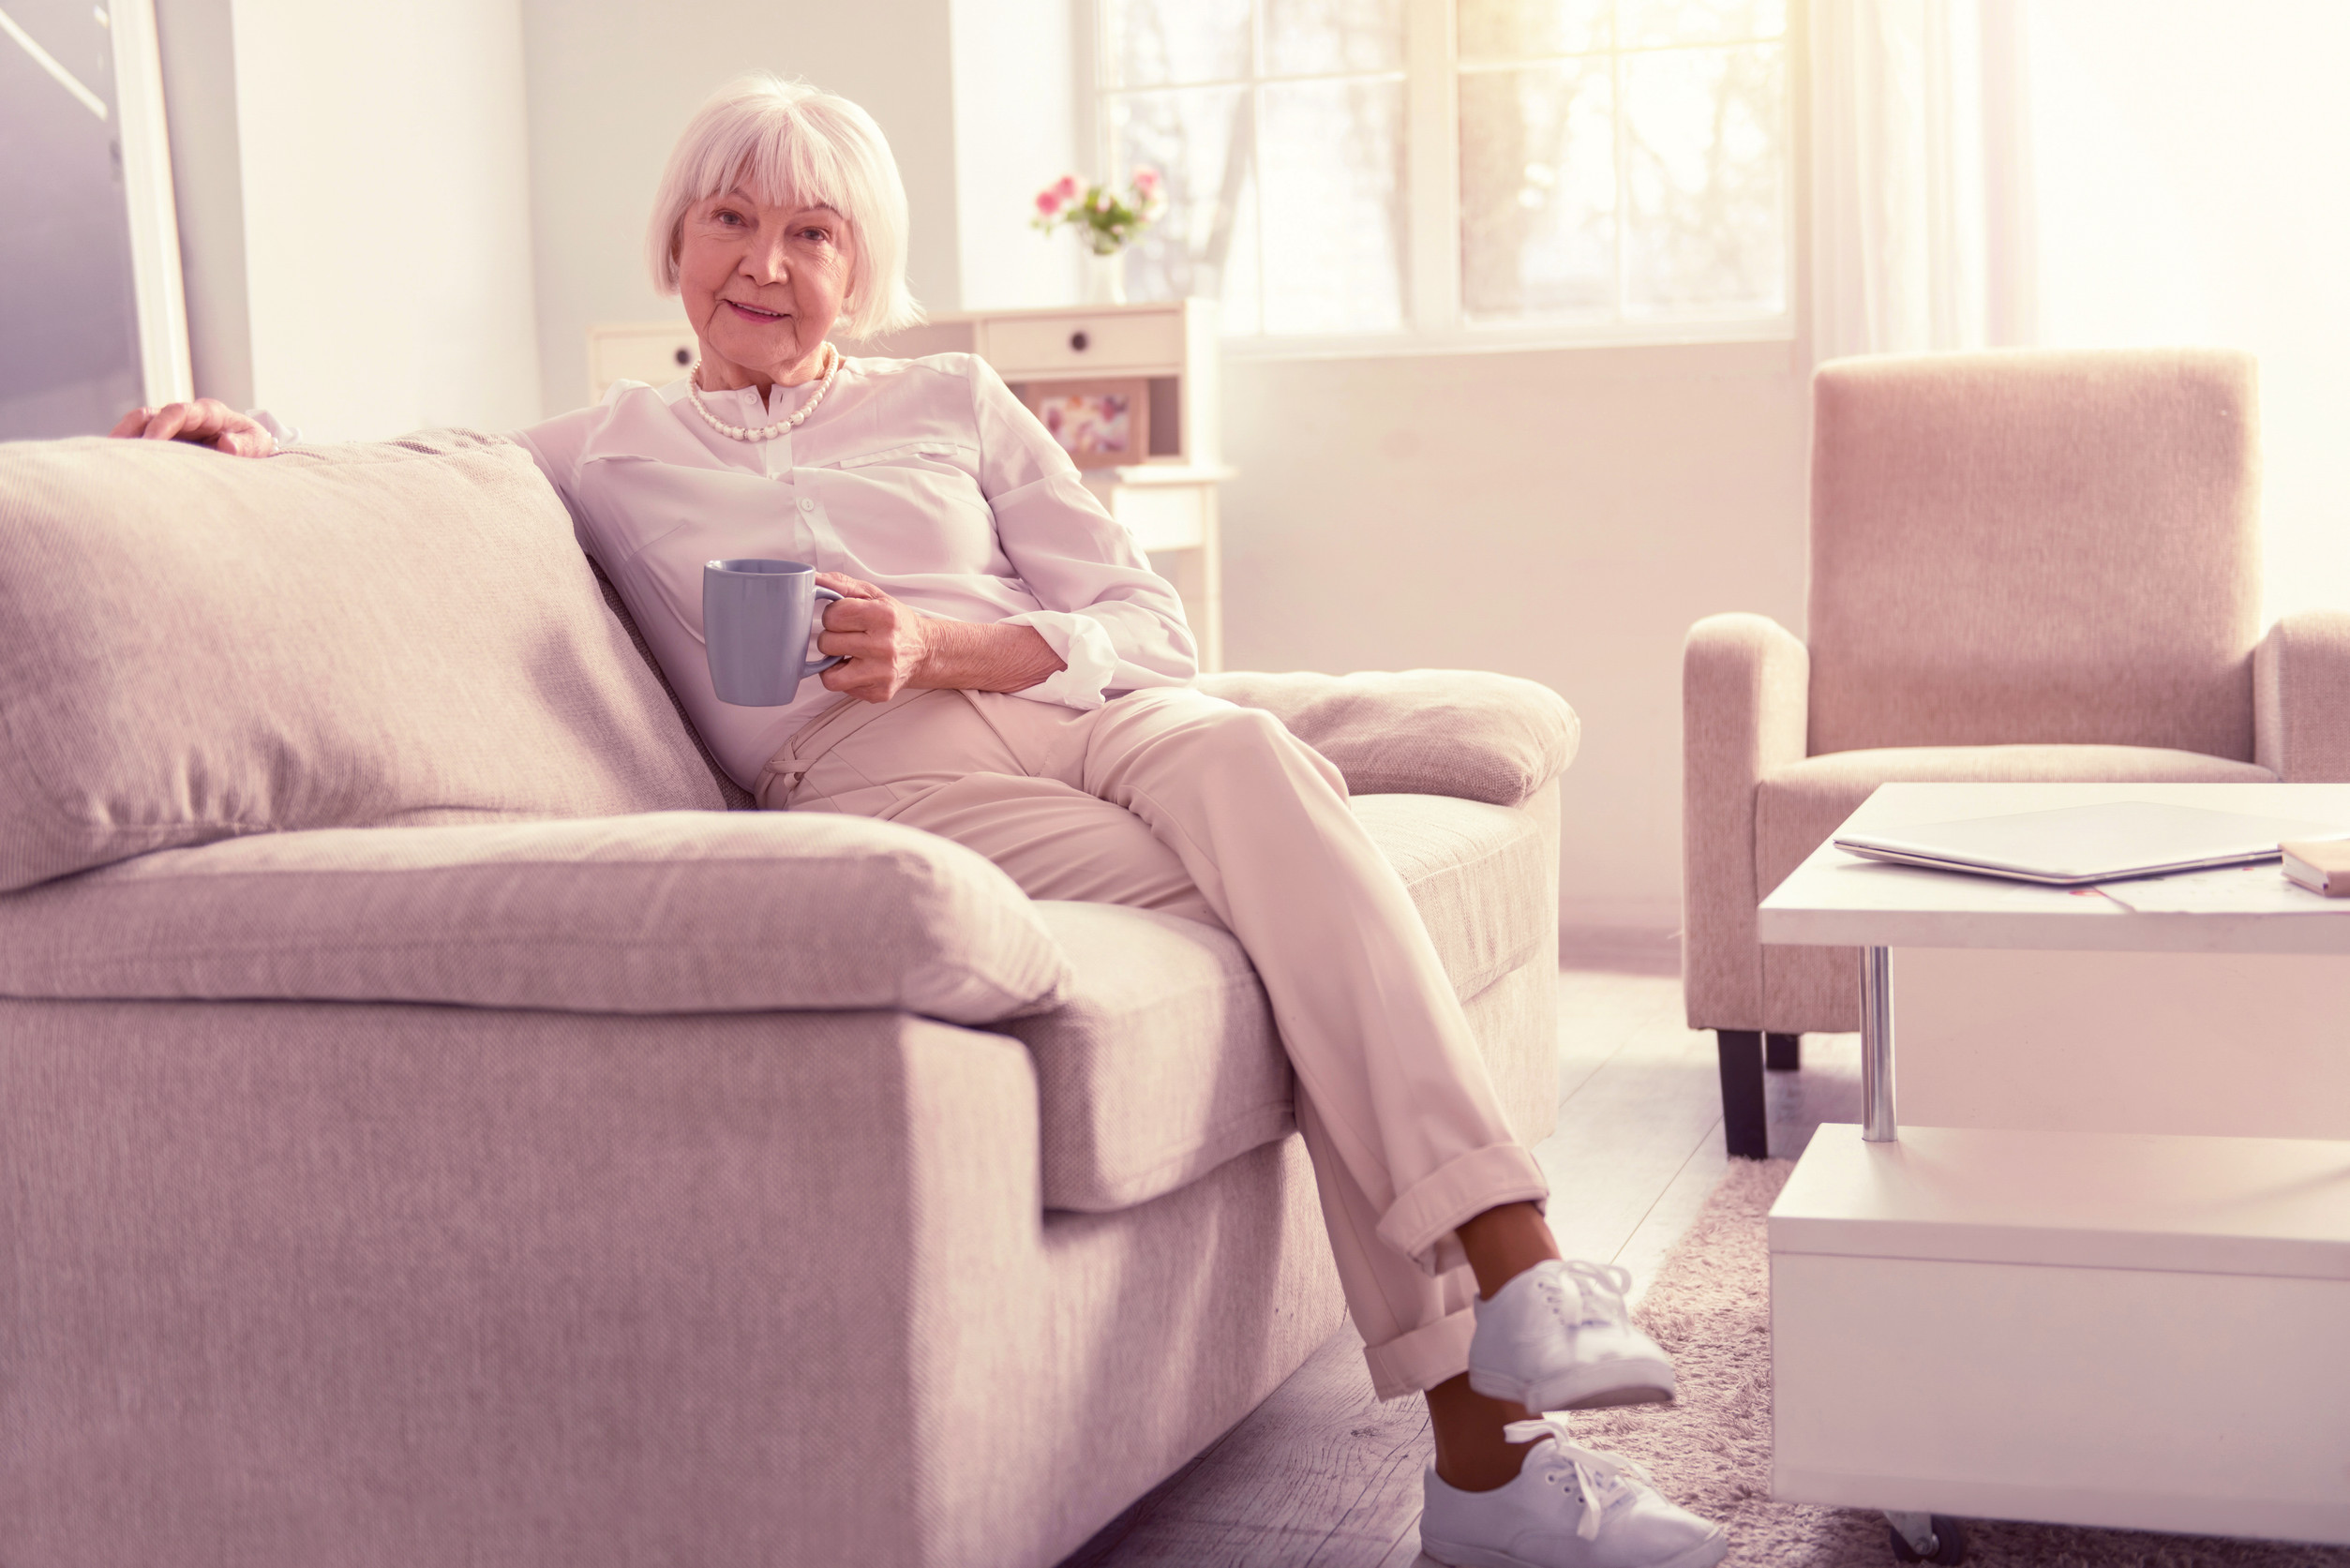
x=1161 y=1061
x=391 y=633
x=1799 y=806
x=668 y=912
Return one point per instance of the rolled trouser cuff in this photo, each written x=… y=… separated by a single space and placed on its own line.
x=1417 y=1361
x=1420 y=1222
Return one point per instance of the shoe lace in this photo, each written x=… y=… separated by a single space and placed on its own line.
x=1601 y=1478
x=1601 y=1288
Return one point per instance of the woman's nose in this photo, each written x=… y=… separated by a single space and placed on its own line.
x=766 y=263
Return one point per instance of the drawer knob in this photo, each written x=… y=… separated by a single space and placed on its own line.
x=686 y=356
x=1078 y=341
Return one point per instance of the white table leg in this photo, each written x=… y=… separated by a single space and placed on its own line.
x=1876 y=1046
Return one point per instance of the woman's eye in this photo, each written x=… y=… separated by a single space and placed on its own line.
x=814 y=237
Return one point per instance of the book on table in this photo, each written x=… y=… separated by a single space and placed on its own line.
x=2321 y=865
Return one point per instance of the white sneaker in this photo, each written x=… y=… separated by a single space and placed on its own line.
x=1569 y=1507
x=1558 y=1337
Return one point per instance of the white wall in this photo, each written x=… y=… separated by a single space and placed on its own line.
x=613 y=82
x=199 y=49
x=383 y=178
x=2194 y=187
x=1016 y=115
x=1563 y=515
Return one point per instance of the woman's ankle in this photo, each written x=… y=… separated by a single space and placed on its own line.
x=1472 y=1456
x=1503 y=1243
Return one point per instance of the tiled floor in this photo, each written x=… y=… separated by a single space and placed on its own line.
x=1322 y=1474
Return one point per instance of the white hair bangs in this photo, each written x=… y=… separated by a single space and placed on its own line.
x=785 y=142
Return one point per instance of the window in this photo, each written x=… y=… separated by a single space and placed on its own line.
x=1457 y=171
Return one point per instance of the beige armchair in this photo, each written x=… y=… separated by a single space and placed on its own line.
x=2025 y=565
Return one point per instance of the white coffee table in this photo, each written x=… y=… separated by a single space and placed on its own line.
x=2137 y=1317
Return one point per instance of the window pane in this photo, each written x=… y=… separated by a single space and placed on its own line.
x=1514 y=30
x=1333 y=210
x=1656 y=21
x=1538 y=192
x=1702 y=160
x=1309 y=37
x=1155 y=42
x=1206 y=244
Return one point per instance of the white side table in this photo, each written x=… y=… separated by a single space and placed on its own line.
x=2106 y=1326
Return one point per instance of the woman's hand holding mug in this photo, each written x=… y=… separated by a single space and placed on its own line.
x=205 y=421
x=886 y=646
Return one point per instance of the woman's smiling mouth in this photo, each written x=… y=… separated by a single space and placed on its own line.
x=753 y=313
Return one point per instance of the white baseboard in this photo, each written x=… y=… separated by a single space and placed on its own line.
x=1618 y=946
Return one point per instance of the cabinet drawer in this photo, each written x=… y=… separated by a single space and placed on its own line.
x=1112 y=341
x=653 y=354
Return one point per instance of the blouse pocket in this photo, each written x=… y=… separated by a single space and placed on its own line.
x=927 y=452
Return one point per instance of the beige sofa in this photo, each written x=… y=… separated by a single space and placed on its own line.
x=435 y=1130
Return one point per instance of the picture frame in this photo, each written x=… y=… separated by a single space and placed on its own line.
x=1099 y=422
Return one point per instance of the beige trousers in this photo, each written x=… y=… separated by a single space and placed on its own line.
x=1173 y=800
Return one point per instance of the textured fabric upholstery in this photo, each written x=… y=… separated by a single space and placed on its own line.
x=1161 y=1061
x=2051 y=555
x=402 y=632
x=2301 y=686
x=1480 y=736
x=662 y=912
x=1798 y=806
x=2035 y=546
x=294 y=1284
x=1744 y=680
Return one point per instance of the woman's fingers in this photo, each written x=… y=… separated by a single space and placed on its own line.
x=207 y=421
x=853 y=587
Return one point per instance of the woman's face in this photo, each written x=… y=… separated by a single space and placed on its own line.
x=762 y=286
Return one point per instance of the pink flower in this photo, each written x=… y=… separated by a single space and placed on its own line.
x=1067 y=187
x=1146 y=179
x=1048 y=203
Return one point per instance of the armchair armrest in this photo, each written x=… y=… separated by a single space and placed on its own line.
x=1469 y=733
x=1745 y=696
x=2301 y=698
x=668 y=912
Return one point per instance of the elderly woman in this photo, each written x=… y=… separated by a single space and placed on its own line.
x=1016 y=677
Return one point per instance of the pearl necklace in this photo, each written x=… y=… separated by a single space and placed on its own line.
x=765 y=432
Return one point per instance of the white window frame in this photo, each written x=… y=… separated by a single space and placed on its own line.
x=1435 y=323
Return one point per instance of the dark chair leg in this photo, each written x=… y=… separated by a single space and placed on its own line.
x=1782 y=1052
x=1746 y=1129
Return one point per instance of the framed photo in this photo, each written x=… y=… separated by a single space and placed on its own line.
x=1099 y=424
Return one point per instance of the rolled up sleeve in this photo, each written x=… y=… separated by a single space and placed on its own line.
x=1115 y=624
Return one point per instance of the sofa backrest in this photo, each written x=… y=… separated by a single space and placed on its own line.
x=2035 y=546
x=195 y=647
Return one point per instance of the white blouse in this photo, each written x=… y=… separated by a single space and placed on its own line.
x=925 y=477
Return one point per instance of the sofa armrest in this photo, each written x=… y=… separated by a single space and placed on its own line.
x=2301 y=698
x=1463 y=732
x=1745 y=693
x=668 y=912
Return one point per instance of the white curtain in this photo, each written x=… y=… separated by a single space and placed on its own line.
x=1921 y=197
x=2101 y=173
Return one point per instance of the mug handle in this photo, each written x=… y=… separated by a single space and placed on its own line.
x=813 y=666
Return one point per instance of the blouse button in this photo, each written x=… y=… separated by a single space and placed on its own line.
x=807 y=504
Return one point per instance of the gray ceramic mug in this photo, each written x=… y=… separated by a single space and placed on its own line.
x=756 y=619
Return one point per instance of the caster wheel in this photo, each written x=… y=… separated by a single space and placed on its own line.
x=1949 y=1538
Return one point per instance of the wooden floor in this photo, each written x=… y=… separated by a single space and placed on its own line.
x=1322 y=1473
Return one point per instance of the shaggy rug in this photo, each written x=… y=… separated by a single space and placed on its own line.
x=1711 y=1450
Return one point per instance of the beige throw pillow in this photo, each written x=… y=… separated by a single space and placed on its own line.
x=195 y=647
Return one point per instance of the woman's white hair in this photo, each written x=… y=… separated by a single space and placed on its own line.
x=785 y=142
